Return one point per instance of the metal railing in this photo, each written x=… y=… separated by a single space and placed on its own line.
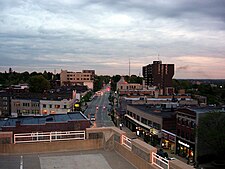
x=159 y=161
x=127 y=142
x=49 y=136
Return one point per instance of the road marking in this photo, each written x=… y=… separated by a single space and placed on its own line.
x=21 y=162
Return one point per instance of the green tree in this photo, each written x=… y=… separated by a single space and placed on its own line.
x=114 y=81
x=38 y=84
x=211 y=132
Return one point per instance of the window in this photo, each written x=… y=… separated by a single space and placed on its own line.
x=50 y=106
x=182 y=133
x=187 y=136
x=149 y=123
x=178 y=132
x=17 y=104
x=57 y=106
x=192 y=124
x=156 y=126
x=64 y=106
x=44 y=105
x=138 y=118
x=143 y=120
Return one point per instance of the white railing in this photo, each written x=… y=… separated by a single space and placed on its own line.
x=48 y=136
x=159 y=161
x=126 y=141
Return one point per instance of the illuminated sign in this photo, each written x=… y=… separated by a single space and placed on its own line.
x=184 y=144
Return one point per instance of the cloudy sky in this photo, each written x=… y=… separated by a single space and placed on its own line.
x=38 y=35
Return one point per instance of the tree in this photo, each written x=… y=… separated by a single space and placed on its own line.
x=211 y=132
x=38 y=84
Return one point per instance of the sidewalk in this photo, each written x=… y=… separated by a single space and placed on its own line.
x=129 y=133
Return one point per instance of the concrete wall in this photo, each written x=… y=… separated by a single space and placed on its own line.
x=108 y=138
x=75 y=145
x=132 y=158
x=6 y=138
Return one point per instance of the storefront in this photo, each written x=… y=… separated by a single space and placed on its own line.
x=185 y=149
x=149 y=134
x=168 y=141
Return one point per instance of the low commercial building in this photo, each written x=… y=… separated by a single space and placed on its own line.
x=53 y=122
x=55 y=106
x=148 y=122
x=187 y=121
x=25 y=107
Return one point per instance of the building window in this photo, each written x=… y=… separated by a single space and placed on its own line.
x=149 y=123
x=44 y=105
x=192 y=124
x=143 y=120
x=138 y=118
x=182 y=134
x=57 y=106
x=156 y=126
x=50 y=106
x=178 y=132
x=64 y=106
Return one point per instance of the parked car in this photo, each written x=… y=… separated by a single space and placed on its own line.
x=92 y=117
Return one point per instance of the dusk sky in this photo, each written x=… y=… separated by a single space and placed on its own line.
x=38 y=35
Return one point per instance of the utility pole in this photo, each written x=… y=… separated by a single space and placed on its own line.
x=129 y=67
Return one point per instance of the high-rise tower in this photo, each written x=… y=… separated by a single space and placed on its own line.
x=160 y=75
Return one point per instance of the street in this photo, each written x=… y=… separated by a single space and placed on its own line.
x=99 y=106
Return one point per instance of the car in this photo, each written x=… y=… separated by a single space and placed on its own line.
x=92 y=117
x=96 y=107
x=104 y=107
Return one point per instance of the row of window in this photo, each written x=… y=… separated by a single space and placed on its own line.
x=145 y=121
x=84 y=75
x=27 y=111
x=186 y=135
x=78 y=78
x=186 y=122
x=56 y=106
x=17 y=104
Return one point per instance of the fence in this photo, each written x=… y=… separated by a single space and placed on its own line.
x=126 y=141
x=159 y=161
x=48 y=136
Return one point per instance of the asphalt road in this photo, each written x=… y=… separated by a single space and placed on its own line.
x=99 y=106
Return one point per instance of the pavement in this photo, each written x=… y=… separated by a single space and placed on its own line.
x=94 y=159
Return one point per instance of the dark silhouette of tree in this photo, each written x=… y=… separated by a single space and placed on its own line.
x=211 y=132
x=38 y=84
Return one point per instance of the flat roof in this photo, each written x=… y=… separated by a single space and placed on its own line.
x=153 y=110
x=207 y=109
x=35 y=120
x=94 y=159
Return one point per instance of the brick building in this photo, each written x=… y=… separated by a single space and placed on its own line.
x=160 y=75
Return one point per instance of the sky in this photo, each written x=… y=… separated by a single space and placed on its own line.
x=38 y=35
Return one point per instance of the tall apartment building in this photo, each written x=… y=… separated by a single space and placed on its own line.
x=160 y=75
x=73 y=78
